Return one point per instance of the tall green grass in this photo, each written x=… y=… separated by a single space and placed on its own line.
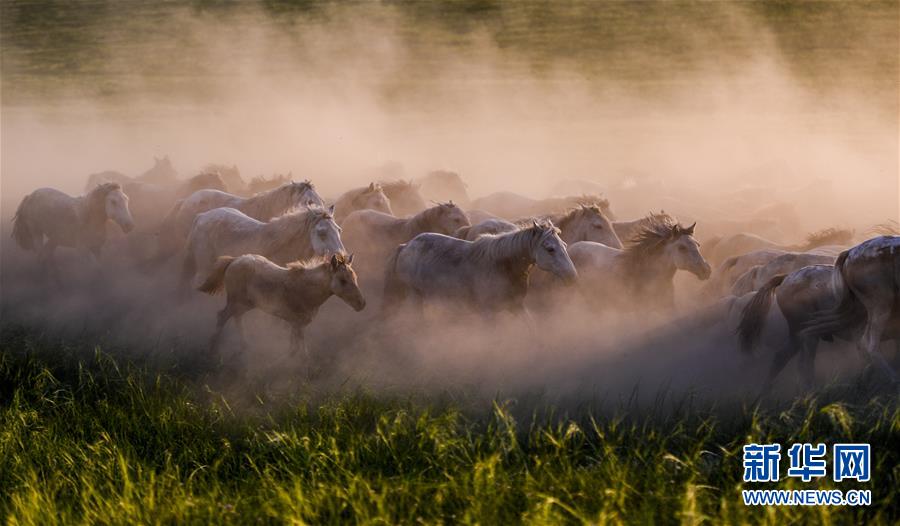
x=87 y=439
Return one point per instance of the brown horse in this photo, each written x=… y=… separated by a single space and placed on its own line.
x=293 y=293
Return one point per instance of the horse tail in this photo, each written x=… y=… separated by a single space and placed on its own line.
x=846 y=313
x=216 y=278
x=753 y=317
x=21 y=231
x=394 y=288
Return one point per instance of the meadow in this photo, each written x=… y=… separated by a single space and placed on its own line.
x=89 y=439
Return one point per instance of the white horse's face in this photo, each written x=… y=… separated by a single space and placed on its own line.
x=684 y=252
x=550 y=254
x=597 y=228
x=117 y=210
x=376 y=200
x=451 y=219
x=325 y=237
x=307 y=196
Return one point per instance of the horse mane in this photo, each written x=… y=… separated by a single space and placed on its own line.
x=303 y=265
x=356 y=193
x=889 y=228
x=652 y=235
x=494 y=247
x=300 y=221
x=576 y=212
x=398 y=185
x=828 y=236
x=205 y=180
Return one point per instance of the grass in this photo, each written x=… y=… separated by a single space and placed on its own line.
x=87 y=439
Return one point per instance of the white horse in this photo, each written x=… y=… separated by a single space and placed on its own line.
x=294 y=236
x=643 y=272
x=490 y=274
x=261 y=207
x=293 y=293
x=370 y=197
x=373 y=235
x=867 y=287
x=799 y=295
x=48 y=218
x=510 y=204
x=742 y=243
x=727 y=274
x=786 y=263
x=582 y=223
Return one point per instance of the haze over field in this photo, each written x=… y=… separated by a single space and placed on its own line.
x=688 y=102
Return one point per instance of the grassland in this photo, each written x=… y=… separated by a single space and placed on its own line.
x=85 y=438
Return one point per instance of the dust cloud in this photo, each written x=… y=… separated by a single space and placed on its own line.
x=725 y=113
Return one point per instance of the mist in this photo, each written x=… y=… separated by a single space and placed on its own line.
x=690 y=102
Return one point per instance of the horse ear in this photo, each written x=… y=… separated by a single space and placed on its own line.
x=676 y=230
x=350 y=259
x=331 y=210
x=334 y=261
x=690 y=230
x=371 y=186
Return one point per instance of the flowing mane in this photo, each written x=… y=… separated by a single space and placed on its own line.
x=296 y=227
x=562 y=220
x=655 y=231
x=398 y=186
x=498 y=247
x=828 y=236
x=276 y=200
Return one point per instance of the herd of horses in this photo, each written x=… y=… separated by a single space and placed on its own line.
x=276 y=245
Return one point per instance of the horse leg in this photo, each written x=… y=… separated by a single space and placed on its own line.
x=298 y=343
x=221 y=319
x=871 y=340
x=782 y=357
x=807 y=363
x=48 y=263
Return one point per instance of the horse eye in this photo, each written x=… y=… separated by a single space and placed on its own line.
x=551 y=250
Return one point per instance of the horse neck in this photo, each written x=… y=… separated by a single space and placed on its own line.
x=267 y=204
x=419 y=223
x=91 y=214
x=311 y=285
x=565 y=222
x=517 y=247
x=655 y=268
x=281 y=234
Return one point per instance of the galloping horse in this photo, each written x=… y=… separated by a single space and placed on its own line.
x=644 y=271
x=293 y=293
x=261 y=207
x=373 y=235
x=490 y=274
x=47 y=218
x=294 y=236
